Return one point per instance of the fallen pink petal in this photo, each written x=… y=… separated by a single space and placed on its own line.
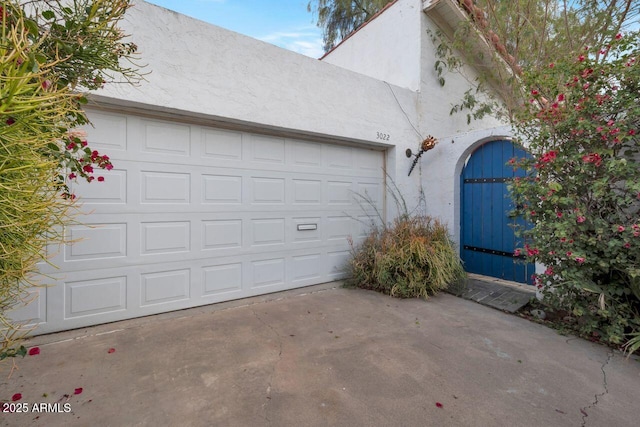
x=34 y=350
x=78 y=390
x=439 y=405
x=111 y=350
x=16 y=397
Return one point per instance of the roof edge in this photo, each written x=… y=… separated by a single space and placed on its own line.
x=378 y=13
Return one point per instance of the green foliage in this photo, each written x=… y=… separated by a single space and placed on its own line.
x=412 y=257
x=48 y=52
x=339 y=18
x=582 y=192
x=523 y=35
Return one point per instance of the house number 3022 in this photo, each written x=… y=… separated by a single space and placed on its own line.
x=383 y=136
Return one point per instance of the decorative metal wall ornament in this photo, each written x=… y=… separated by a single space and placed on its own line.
x=428 y=144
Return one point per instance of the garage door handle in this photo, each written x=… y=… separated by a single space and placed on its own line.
x=305 y=227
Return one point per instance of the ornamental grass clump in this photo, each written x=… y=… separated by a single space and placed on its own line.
x=412 y=257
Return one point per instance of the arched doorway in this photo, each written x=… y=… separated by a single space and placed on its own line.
x=487 y=237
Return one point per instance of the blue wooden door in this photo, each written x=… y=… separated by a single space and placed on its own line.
x=488 y=238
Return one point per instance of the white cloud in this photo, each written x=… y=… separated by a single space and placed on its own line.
x=306 y=41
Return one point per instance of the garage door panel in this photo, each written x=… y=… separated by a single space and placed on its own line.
x=93 y=297
x=222 y=145
x=306 y=229
x=112 y=191
x=268 y=272
x=221 y=189
x=222 y=234
x=305 y=268
x=168 y=138
x=108 y=133
x=165 y=187
x=32 y=310
x=336 y=263
x=305 y=154
x=95 y=241
x=267 y=190
x=164 y=287
x=221 y=279
x=165 y=237
x=193 y=215
x=340 y=158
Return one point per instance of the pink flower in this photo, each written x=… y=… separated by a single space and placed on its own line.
x=618 y=36
x=561 y=97
x=100 y=178
x=580 y=260
x=552 y=65
x=581 y=58
x=87 y=168
x=636 y=233
x=592 y=158
x=559 y=214
x=549 y=156
x=569 y=253
x=34 y=351
x=548 y=271
x=72 y=175
x=620 y=229
x=627 y=245
x=109 y=167
x=632 y=132
x=517 y=252
x=10 y=121
x=581 y=219
x=71 y=146
x=534 y=92
x=46 y=84
x=611 y=122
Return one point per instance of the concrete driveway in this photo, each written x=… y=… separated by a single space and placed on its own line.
x=325 y=356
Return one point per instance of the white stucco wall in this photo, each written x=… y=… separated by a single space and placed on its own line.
x=201 y=69
x=386 y=47
x=458 y=139
x=404 y=23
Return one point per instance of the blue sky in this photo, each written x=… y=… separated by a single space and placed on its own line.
x=285 y=23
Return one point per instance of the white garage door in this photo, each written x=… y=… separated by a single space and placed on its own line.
x=193 y=215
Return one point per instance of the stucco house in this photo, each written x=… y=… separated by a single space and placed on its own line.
x=237 y=162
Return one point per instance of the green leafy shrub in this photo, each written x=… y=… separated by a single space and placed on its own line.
x=582 y=193
x=412 y=257
x=49 y=51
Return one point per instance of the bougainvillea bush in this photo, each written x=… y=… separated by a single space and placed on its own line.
x=582 y=192
x=50 y=52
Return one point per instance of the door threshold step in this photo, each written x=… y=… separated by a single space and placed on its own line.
x=496 y=293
